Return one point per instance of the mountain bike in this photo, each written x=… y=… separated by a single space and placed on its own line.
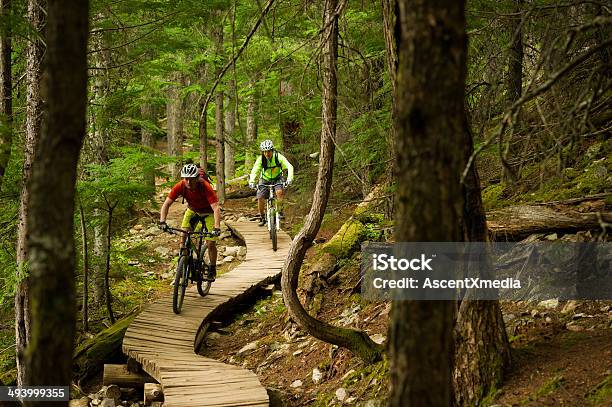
x=192 y=264
x=272 y=212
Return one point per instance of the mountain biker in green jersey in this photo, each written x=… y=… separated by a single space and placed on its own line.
x=270 y=166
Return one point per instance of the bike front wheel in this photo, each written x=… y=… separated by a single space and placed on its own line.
x=180 y=284
x=273 y=236
x=203 y=285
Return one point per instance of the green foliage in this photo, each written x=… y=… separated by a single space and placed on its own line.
x=122 y=181
x=602 y=393
x=549 y=387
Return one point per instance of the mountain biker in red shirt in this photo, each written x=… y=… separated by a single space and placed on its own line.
x=201 y=200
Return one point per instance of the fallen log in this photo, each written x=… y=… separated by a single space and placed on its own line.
x=240 y=193
x=91 y=355
x=517 y=222
x=123 y=377
x=152 y=392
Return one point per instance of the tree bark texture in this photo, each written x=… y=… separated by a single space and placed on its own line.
x=251 y=131
x=6 y=89
x=220 y=151
x=357 y=342
x=429 y=122
x=34 y=109
x=482 y=349
x=230 y=130
x=51 y=221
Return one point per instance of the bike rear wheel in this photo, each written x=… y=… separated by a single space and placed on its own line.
x=272 y=221
x=203 y=285
x=180 y=284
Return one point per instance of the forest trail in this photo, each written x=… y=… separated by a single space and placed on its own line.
x=166 y=344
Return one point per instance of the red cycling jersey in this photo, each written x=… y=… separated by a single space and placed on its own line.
x=198 y=199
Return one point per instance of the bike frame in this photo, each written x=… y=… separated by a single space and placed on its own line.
x=272 y=204
x=189 y=243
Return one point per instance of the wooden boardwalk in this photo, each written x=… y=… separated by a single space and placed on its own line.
x=165 y=343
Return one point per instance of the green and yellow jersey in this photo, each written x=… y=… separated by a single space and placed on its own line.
x=273 y=168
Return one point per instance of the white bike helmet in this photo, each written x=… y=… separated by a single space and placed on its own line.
x=266 y=145
x=189 y=171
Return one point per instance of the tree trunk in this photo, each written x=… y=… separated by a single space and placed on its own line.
x=99 y=140
x=514 y=87
x=357 y=342
x=34 y=54
x=6 y=89
x=289 y=127
x=230 y=129
x=429 y=122
x=390 y=28
x=251 y=131
x=514 y=78
x=109 y=299
x=51 y=221
x=220 y=152
x=174 y=109
x=99 y=250
x=85 y=310
x=147 y=112
x=203 y=136
x=202 y=126
x=482 y=350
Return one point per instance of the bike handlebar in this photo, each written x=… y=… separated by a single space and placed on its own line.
x=262 y=186
x=189 y=232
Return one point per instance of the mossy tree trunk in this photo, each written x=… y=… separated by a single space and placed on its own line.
x=482 y=349
x=429 y=122
x=34 y=55
x=51 y=206
x=357 y=342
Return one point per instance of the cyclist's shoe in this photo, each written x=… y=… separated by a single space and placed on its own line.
x=212 y=274
x=263 y=221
